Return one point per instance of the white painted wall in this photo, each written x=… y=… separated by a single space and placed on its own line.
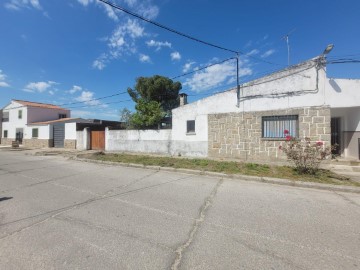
x=152 y=141
x=302 y=86
x=70 y=131
x=44 y=131
x=14 y=122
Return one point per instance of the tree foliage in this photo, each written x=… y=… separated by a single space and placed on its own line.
x=148 y=114
x=125 y=116
x=159 y=89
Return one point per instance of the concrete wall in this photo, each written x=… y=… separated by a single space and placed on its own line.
x=350 y=130
x=151 y=141
x=70 y=131
x=239 y=135
x=83 y=139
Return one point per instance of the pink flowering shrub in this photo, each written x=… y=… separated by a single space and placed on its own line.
x=304 y=154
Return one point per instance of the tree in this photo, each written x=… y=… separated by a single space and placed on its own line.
x=159 y=89
x=125 y=116
x=147 y=115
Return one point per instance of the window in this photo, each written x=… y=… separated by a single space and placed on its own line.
x=5 y=117
x=190 y=126
x=5 y=133
x=35 y=132
x=274 y=126
x=20 y=114
x=62 y=115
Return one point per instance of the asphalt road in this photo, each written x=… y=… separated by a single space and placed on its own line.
x=61 y=214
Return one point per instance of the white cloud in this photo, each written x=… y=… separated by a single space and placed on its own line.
x=20 y=4
x=87 y=97
x=267 y=53
x=122 y=41
x=39 y=87
x=79 y=113
x=175 y=56
x=144 y=58
x=3 y=82
x=158 y=44
x=74 y=89
x=187 y=66
x=253 y=52
x=215 y=76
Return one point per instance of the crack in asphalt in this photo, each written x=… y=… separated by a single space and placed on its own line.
x=202 y=214
x=347 y=199
x=62 y=210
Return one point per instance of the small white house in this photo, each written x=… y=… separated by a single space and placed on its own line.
x=249 y=124
x=17 y=119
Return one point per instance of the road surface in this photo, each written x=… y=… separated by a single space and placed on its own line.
x=63 y=214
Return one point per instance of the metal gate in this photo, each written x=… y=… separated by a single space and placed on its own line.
x=98 y=140
x=59 y=135
x=335 y=135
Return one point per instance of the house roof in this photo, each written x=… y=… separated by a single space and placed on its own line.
x=38 y=104
x=55 y=121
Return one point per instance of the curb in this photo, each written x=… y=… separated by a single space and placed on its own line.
x=269 y=180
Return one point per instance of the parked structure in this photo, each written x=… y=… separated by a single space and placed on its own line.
x=250 y=125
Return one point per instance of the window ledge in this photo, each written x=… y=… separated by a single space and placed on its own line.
x=190 y=133
x=275 y=139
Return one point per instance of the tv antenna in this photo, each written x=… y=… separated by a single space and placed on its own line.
x=286 y=38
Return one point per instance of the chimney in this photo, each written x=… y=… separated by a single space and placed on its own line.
x=183 y=99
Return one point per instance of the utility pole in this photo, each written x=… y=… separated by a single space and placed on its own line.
x=237 y=80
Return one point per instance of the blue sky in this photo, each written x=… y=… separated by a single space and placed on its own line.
x=64 y=51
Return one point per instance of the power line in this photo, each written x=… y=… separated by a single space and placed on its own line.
x=71 y=103
x=205 y=67
x=93 y=105
x=166 y=27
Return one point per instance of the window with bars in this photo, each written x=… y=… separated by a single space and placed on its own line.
x=5 y=133
x=273 y=127
x=35 y=132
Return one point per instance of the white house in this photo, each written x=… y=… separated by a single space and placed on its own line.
x=17 y=119
x=250 y=124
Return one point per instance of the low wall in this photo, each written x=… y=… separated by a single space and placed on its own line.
x=151 y=141
x=38 y=143
x=70 y=144
x=7 y=141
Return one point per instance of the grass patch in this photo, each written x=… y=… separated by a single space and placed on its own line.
x=228 y=167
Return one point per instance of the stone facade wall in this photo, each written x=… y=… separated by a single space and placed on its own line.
x=239 y=135
x=38 y=143
x=7 y=141
x=70 y=144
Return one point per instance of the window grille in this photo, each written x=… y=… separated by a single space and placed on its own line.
x=275 y=126
x=35 y=132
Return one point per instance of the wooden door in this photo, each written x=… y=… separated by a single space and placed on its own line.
x=98 y=140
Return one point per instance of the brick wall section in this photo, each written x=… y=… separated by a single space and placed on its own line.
x=70 y=144
x=38 y=143
x=239 y=135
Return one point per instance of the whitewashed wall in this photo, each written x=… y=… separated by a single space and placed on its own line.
x=44 y=132
x=14 y=122
x=37 y=114
x=70 y=131
x=151 y=141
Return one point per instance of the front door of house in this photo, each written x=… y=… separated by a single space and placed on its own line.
x=335 y=135
x=19 y=135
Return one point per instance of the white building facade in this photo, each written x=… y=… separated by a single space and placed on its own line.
x=17 y=119
x=250 y=125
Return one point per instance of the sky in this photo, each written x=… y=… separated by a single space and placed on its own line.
x=70 y=52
